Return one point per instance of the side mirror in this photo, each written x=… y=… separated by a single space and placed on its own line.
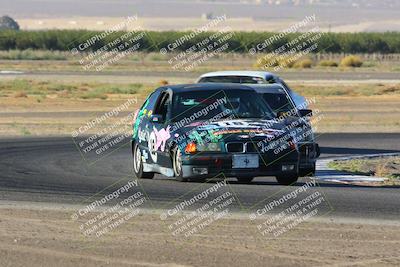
x=156 y=118
x=305 y=112
x=282 y=114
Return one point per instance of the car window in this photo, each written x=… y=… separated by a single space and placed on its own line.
x=161 y=107
x=220 y=79
x=278 y=102
x=251 y=80
x=152 y=100
x=299 y=101
x=206 y=105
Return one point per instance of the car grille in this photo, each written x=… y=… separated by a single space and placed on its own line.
x=235 y=147
x=238 y=147
x=251 y=147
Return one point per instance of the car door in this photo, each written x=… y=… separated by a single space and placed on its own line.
x=159 y=130
x=142 y=127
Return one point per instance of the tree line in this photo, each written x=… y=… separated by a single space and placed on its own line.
x=152 y=41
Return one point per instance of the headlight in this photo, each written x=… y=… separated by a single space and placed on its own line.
x=209 y=147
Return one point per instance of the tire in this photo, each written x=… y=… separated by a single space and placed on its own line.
x=307 y=172
x=245 y=179
x=177 y=164
x=287 y=179
x=138 y=165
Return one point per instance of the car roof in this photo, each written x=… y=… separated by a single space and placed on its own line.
x=205 y=86
x=259 y=74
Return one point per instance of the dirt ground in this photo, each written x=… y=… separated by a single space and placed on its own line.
x=48 y=237
x=25 y=116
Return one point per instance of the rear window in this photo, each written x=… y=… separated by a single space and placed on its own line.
x=233 y=79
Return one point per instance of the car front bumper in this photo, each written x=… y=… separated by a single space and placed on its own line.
x=212 y=164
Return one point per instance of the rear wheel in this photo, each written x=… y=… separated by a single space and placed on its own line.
x=245 y=179
x=138 y=165
x=287 y=179
x=177 y=164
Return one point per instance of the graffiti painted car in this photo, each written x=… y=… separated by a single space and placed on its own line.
x=198 y=131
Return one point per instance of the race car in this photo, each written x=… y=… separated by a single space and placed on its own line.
x=252 y=77
x=199 y=131
x=281 y=99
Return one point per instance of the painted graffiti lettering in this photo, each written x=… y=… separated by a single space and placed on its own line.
x=161 y=137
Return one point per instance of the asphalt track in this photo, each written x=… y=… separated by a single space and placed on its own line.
x=51 y=170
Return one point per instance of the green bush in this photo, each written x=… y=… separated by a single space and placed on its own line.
x=351 y=61
x=328 y=63
x=91 y=95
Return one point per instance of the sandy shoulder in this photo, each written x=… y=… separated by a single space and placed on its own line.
x=48 y=237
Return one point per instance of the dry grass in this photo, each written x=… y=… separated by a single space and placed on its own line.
x=30 y=54
x=155 y=62
x=333 y=89
x=163 y=82
x=74 y=90
x=20 y=94
x=346 y=108
x=382 y=167
x=303 y=64
x=351 y=61
x=328 y=63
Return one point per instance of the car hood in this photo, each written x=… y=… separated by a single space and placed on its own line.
x=230 y=129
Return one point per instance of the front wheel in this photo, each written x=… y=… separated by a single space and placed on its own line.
x=177 y=164
x=287 y=179
x=138 y=165
x=308 y=171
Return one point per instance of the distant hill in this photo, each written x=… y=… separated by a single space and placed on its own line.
x=334 y=15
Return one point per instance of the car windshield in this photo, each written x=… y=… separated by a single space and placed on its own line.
x=219 y=104
x=233 y=79
x=278 y=102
